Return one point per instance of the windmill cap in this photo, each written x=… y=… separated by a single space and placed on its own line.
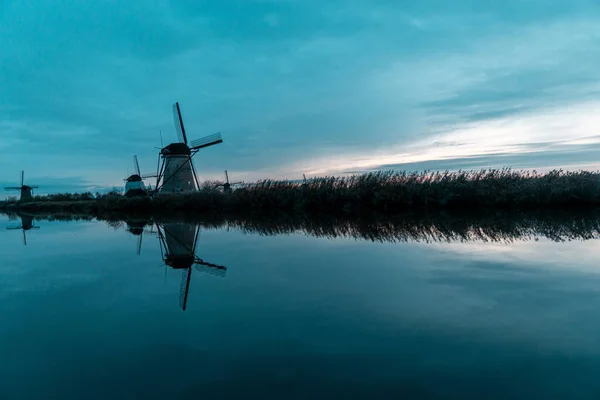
x=180 y=262
x=175 y=149
x=134 y=178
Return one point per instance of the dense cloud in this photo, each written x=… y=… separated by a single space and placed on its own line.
x=294 y=86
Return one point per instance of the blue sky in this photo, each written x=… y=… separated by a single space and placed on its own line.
x=296 y=86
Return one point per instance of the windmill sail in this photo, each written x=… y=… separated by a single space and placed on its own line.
x=184 y=288
x=211 y=269
x=22 y=178
x=136 y=165
x=179 y=123
x=206 y=141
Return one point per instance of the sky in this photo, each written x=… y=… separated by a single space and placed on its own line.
x=296 y=86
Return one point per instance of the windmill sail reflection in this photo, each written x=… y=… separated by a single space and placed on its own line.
x=26 y=225
x=178 y=243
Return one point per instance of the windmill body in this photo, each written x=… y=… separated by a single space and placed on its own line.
x=176 y=173
x=26 y=193
x=180 y=245
x=25 y=190
x=178 y=170
x=134 y=184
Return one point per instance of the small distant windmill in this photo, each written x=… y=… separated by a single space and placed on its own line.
x=176 y=173
x=178 y=249
x=227 y=185
x=26 y=224
x=134 y=184
x=26 y=190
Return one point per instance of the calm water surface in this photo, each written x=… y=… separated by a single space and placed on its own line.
x=84 y=316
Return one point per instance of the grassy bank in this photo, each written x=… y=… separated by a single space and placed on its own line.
x=380 y=192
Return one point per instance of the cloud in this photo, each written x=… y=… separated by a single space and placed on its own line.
x=552 y=137
x=293 y=86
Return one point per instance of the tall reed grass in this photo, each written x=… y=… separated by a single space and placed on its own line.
x=380 y=192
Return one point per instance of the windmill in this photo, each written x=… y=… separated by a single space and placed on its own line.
x=227 y=185
x=26 y=224
x=178 y=248
x=176 y=173
x=26 y=190
x=134 y=184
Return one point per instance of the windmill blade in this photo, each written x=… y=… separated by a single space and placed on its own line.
x=184 y=288
x=226 y=177
x=150 y=175
x=157 y=172
x=12 y=188
x=24 y=239
x=22 y=177
x=212 y=269
x=11 y=228
x=179 y=123
x=206 y=141
x=34 y=186
x=136 y=165
x=139 y=245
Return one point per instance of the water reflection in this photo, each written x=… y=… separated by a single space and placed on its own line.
x=136 y=227
x=438 y=227
x=178 y=243
x=27 y=223
x=305 y=316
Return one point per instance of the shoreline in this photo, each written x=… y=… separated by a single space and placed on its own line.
x=385 y=193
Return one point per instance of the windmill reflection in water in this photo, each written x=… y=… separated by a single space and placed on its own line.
x=178 y=242
x=136 y=228
x=26 y=225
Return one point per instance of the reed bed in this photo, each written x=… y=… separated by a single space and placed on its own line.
x=380 y=192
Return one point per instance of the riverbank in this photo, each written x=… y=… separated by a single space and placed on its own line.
x=380 y=192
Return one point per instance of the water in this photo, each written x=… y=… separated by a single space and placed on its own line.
x=293 y=316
